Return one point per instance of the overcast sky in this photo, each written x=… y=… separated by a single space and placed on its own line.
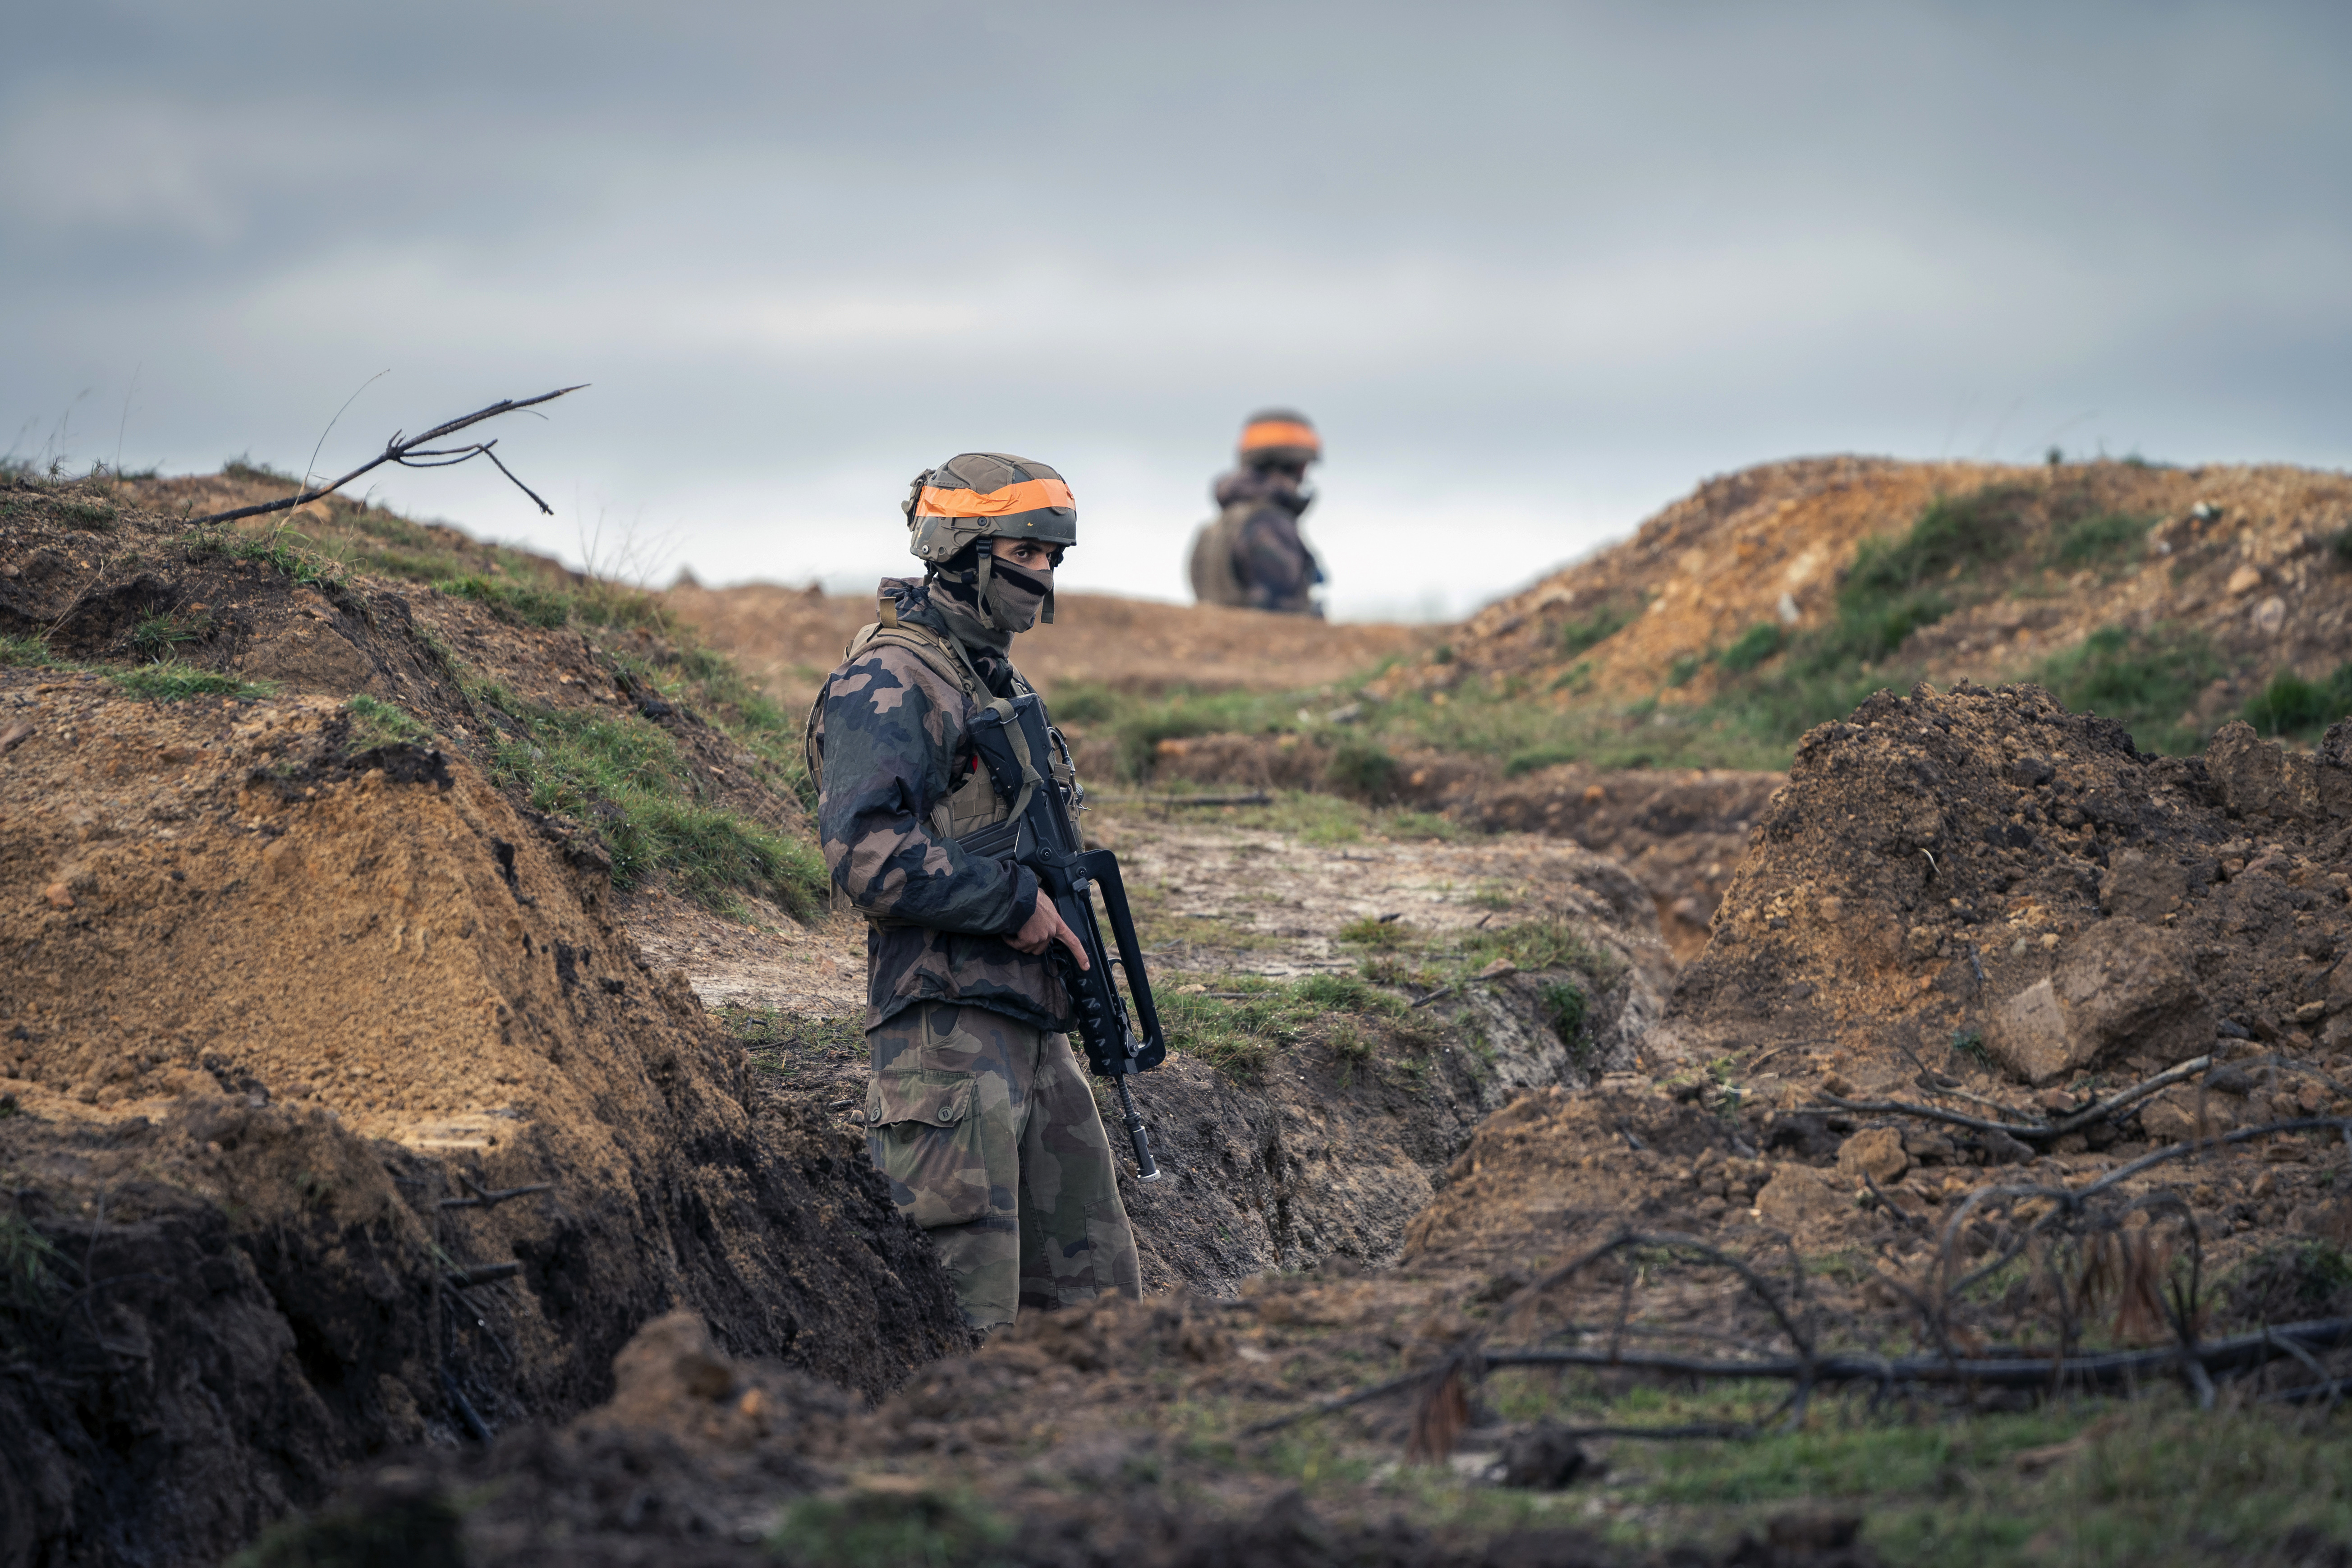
x=1535 y=271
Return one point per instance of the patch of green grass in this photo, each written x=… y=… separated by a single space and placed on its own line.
x=90 y=515
x=2132 y=1485
x=1751 y=648
x=1549 y=944
x=1363 y=769
x=1383 y=936
x=415 y=1531
x=25 y=653
x=282 y=550
x=1239 y=1030
x=2098 y=539
x=1605 y=622
x=524 y=603
x=2291 y=705
x=157 y=635
x=170 y=681
x=27 y=1261
x=1565 y=1007
x=928 y=1529
x=375 y=722
x=2149 y=680
x=624 y=776
x=785 y=1044
x=1684 y=669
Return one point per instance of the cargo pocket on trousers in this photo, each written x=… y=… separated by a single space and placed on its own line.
x=925 y=1134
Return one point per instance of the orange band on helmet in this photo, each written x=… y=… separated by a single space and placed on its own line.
x=1025 y=495
x=1280 y=432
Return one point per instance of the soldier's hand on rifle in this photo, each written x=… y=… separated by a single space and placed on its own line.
x=1044 y=928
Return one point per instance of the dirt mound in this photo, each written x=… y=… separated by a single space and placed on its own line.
x=788 y=639
x=1940 y=856
x=2239 y=555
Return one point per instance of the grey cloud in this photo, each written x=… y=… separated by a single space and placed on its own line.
x=1488 y=245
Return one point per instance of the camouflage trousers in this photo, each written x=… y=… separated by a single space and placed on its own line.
x=993 y=1145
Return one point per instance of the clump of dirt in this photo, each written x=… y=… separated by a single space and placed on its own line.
x=2241 y=556
x=337 y=1108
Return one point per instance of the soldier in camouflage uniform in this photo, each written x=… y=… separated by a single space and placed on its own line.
x=977 y=1111
x=1251 y=556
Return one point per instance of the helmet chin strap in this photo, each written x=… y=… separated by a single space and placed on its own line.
x=987 y=562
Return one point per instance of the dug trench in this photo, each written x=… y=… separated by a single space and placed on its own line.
x=1417 y=1067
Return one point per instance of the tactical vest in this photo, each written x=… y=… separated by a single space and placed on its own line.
x=971 y=805
x=1214 y=581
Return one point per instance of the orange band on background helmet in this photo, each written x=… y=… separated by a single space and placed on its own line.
x=1025 y=495
x=1280 y=432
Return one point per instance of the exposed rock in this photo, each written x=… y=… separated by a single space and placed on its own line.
x=2142 y=885
x=1798 y=1196
x=1876 y=1152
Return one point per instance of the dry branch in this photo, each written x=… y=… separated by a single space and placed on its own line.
x=2032 y=1132
x=414 y=452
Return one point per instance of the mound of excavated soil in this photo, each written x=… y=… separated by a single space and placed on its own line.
x=2237 y=553
x=788 y=639
x=1940 y=856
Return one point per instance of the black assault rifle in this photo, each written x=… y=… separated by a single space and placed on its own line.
x=1015 y=745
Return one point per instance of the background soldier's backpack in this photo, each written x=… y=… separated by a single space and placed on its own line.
x=1214 y=581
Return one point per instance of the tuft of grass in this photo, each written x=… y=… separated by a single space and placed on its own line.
x=1605 y=622
x=1238 y=1033
x=2103 y=537
x=1565 y=1007
x=27 y=1261
x=2150 y=679
x=157 y=635
x=928 y=1529
x=375 y=722
x=421 y=1531
x=1382 y=936
x=1684 y=669
x=92 y=516
x=1751 y=648
x=171 y=681
x=1547 y=944
x=25 y=653
x=1363 y=769
x=2291 y=705
x=283 y=551
x=524 y=603
x=624 y=776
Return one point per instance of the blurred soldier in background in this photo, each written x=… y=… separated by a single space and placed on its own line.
x=1252 y=555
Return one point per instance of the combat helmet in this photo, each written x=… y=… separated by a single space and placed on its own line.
x=1279 y=438
x=977 y=496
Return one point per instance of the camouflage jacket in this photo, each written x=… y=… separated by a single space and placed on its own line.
x=899 y=781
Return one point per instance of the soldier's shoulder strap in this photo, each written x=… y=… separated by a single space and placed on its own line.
x=942 y=655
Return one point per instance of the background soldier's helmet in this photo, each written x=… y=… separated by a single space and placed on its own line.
x=1279 y=438
x=987 y=495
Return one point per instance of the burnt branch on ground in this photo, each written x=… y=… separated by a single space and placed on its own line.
x=414 y=452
